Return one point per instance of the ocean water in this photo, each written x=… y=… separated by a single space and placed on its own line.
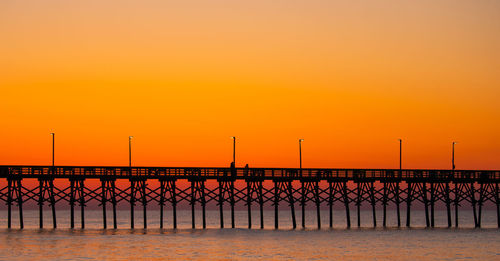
x=241 y=243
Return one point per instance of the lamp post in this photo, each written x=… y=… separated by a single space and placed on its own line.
x=300 y=155
x=234 y=150
x=400 y=154
x=130 y=153
x=53 y=145
x=397 y=184
x=453 y=155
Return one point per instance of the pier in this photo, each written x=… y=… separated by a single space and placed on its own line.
x=291 y=188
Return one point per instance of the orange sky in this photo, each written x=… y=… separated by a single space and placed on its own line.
x=183 y=76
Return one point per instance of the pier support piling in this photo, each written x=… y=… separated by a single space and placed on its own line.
x=46 y=194
x=254 y=194
x=197 y=195
x=284 y=186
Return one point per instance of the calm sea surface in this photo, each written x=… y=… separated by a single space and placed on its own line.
x=365 y=243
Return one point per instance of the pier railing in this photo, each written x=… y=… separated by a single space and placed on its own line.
x=241 y=173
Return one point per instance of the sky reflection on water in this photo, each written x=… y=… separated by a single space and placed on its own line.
x=240 y=243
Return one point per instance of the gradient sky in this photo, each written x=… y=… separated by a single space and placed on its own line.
x=350 y=77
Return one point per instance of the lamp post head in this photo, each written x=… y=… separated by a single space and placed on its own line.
x=130 y=137
x=301 y=140
x=233 y=137
x=52 y=133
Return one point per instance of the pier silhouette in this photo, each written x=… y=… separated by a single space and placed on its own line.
x=347 y=187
